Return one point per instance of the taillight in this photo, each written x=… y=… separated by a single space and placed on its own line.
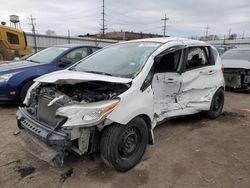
x=222 y=68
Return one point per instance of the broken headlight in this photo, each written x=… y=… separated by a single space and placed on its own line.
x=87 y=114
x=6 y=77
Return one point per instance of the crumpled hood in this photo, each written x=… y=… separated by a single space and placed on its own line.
x=244 y=64
x=16 y=66
x=73 y=77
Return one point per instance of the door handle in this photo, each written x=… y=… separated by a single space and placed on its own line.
x=171 y=80
x=211 y=71
x=208 y=72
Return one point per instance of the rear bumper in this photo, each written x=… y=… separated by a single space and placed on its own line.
x=41 y=140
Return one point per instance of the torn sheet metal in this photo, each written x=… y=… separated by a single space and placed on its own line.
x=190 y=92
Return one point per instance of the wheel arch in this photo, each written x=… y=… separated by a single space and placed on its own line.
x=148 y=121
x=23 y=84
x=222 y=87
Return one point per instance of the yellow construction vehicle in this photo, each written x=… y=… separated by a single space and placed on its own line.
x=13 y=43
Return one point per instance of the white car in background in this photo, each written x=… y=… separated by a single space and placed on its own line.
x=237 y=68
x=112 y=100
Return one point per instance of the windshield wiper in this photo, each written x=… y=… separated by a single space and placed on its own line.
x=72 y=68
x=32 y=60
x=97 y=72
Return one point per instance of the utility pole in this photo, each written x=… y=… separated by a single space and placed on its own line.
x=33 y=30
x=229 y=33
x=164 y=25
x=207 y=29
x=103 y=20
x=68 y=36
x=243 y=35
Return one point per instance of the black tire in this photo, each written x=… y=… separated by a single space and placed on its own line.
x=24 y=90
x=216 y=104
x=122 y=146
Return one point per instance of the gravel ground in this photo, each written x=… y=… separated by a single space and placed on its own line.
x=190 y=152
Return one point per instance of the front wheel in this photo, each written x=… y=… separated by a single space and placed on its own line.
x=216 y=104
x=122 y=146
x=24 y=90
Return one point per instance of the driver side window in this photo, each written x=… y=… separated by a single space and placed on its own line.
x=168 y=63
x=76 y=55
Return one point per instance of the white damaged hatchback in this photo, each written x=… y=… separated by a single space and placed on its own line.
x=112 y=100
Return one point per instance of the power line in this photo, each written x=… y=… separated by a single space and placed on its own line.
x=33 y=30
x=103 y=20
x=165 y=25
x=123 y=22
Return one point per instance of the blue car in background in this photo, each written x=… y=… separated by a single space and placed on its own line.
x=17 y=77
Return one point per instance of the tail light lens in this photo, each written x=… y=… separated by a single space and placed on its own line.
x=222 y=68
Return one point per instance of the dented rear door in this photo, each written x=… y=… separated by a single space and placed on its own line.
x=199 y=80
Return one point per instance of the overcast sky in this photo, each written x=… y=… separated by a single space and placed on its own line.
x=186 y=17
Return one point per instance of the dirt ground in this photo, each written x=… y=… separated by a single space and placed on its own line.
x=190 y=152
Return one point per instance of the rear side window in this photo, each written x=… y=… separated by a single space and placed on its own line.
x=215 y=54
x=197 y=57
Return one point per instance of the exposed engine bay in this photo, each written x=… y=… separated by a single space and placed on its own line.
x=237 y=78
x=47 y=98
x=79 y=93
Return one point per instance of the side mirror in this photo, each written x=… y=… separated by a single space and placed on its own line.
x=158 y=58
x=63 y=62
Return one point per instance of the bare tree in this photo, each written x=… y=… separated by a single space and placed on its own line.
x=232 y=36
x=50 y=32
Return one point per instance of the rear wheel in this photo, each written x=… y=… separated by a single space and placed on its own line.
x=122 y=146
x=216 y=104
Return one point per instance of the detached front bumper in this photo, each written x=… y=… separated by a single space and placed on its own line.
x=41 y=140
x=38 y=148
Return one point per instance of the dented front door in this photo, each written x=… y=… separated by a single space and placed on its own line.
x=167 y=83
x=166 y=86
